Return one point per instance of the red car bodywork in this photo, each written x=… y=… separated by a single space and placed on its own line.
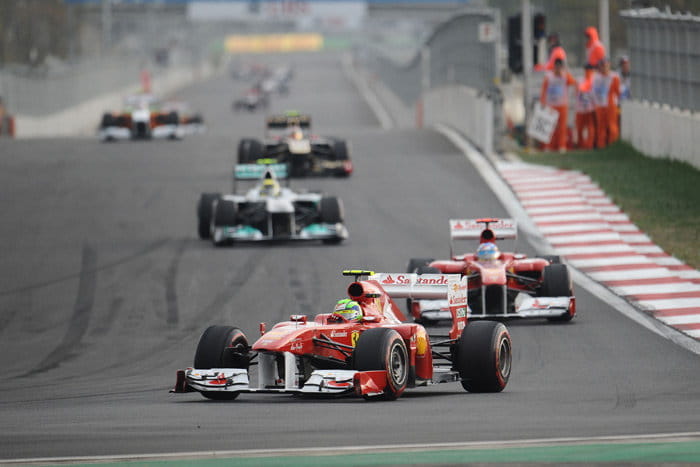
x=494 y=285
x=325 y=355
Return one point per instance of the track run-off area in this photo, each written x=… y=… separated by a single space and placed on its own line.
x=106 y=290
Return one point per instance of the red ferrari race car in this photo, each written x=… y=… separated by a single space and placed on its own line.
x=363 y=347
x=501 y=285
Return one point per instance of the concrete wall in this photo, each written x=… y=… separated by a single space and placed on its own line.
x=662 y=132
x=463 y=109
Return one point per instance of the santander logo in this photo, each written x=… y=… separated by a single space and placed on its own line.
x=405 y=279
x=434 y=279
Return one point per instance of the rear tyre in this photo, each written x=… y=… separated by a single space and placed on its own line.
x=384 y=349
x=107 y=120
x=204 y=211
x=556 y=282
x=221 y=347
x=340 y=149
x=331 y=210
x=484 y=356
x=249 y=150
x=172 y=118
x=340 y=153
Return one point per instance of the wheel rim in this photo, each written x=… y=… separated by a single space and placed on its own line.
x=504 y=358
x=397 y=365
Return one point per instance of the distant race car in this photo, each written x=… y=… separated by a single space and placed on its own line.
x=374 y=354
x=254 y=99
x=269 y=211
x=501 y=285
x=143 y=117
x=303 y=153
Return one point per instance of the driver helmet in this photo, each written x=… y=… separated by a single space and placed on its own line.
x=297 y=133
x=348 y=309
x=487 y=252
x=270 y=187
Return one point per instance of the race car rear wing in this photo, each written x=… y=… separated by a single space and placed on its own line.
x=430 y=286
x=471 y=229
x=285 y=121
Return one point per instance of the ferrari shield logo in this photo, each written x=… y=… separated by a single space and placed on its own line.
x=353 y=337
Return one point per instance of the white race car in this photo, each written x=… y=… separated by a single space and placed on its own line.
x=269 y=211
x=143 y=117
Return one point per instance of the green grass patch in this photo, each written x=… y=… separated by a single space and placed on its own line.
x=661 y=196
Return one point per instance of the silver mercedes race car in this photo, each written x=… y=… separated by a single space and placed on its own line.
x=269 y=211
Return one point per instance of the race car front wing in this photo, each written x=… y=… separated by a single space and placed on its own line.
x=525 y=306
x=320 y=382
x=114 y=133
x=248 y=233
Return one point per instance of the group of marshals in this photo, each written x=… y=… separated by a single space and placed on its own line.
x=598 y=95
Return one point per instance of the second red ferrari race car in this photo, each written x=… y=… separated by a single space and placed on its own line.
x=363 y=347
x=501 y=284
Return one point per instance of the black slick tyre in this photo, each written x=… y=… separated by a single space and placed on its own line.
x=556 y=282
x=249 y=150
x=221 y=347
x=331 y=210
x=415 y=263
x=172 y=118
x=340 y=153
x=107 y=120
x=484 y=356
x=384 y=349
x=340 y=150
x=225 y=214
x=204 y=212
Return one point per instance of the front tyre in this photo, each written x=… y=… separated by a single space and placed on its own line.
x=204 y=212
x=484 y=356
x=384 y=349
x=221 y=347
x=556 y=282
x=331 y=210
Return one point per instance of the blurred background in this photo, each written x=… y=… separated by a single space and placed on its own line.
x=55 y=54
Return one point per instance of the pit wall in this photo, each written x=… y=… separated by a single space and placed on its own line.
x=662 y=132
x=461 y=108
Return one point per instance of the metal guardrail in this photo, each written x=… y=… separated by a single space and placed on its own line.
x=664 y=57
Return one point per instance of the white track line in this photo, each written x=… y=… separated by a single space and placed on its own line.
x=371 y=449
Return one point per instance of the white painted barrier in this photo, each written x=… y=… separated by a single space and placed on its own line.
x=465 y=110
x=662 y=132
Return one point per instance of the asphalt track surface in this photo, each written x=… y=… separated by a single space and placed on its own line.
x=106 y=289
